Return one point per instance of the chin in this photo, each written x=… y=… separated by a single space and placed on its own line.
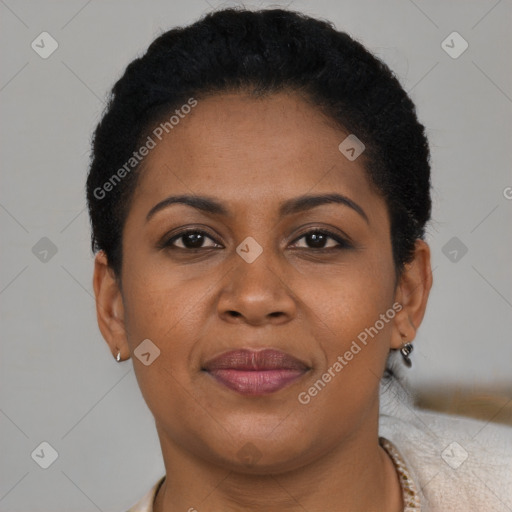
x=258 y=453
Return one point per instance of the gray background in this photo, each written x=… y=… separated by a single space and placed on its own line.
x=59 y=382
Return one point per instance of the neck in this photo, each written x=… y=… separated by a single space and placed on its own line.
x=356 y=475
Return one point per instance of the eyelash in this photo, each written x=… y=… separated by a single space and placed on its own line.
x=342 y=243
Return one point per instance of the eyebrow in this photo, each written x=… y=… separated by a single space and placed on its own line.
x=288 y=207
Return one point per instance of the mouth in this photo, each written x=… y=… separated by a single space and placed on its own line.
x=250 y=372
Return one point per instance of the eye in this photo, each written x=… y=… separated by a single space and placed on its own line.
x=318 y=238
x=190 y=239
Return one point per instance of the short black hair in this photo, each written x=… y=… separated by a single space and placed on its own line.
x=264 y=51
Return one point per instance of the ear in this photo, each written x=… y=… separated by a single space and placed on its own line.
x=109 y=306
x=412 y=293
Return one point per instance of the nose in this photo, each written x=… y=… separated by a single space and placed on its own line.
x=256 y=293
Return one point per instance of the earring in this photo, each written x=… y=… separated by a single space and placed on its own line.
x=405 y=351
x=118 y=357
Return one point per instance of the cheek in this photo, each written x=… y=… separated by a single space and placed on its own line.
x=165 y=311
x=158 y=301
x=354 y=317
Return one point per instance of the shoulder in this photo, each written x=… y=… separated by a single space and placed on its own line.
x=145 y=504
x=458 y=463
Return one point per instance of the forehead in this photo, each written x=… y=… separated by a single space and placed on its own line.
x=251 y=150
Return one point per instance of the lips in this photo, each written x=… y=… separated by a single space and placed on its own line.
x=252 y=372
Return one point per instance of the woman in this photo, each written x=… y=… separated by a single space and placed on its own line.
x=258 y=193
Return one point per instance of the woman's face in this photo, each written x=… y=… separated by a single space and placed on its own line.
x=310 y=297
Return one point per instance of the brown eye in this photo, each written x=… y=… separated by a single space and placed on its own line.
x=318 y=239
x=190 y=239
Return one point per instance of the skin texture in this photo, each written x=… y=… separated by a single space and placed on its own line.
x=251 y=154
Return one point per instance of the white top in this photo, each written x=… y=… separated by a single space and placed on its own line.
x=459 y=464
x=446 y=463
